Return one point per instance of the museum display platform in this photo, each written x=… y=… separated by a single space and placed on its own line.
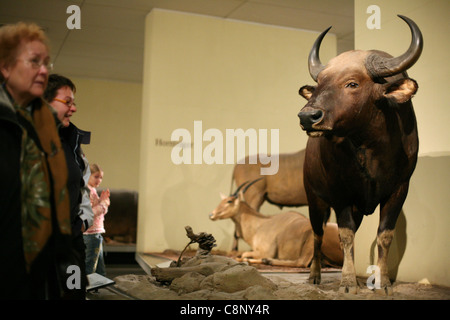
x=133 y=282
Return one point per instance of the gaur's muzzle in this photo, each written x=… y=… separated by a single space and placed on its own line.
x=309 y=118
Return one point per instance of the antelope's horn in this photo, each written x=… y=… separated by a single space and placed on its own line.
x=250 y=184
x=239 y=188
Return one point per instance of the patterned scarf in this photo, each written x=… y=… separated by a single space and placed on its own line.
x=43 y=177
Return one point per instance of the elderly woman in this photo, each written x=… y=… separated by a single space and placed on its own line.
x=34 y=205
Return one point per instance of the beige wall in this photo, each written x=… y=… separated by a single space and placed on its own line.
x=111 y=111
x=229 y=75
x=420 y=244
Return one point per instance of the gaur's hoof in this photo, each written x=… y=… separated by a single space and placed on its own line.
x=314 y=279
x=348 y=289
x=385 y=291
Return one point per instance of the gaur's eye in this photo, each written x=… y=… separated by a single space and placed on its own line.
x=352 y=85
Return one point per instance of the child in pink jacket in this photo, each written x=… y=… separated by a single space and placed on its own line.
x=93 y=236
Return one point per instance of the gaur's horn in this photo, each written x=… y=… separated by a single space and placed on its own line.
x=249 y=185
x=314 y=64
x=381 y=67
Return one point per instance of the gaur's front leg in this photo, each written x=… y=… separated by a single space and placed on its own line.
x=318 y=213
x=348 y=281
x=389 y=212
x=314 y=274
x=348 y=222
x=384 y=240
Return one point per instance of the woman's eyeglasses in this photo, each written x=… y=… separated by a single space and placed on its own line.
x=37 y=64
x=68 y=103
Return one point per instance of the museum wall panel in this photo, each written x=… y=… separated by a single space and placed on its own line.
x=107 y=108
x=204 y=73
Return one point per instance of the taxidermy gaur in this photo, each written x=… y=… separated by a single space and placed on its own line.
x=362 y=146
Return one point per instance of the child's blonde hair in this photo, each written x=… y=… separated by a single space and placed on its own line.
x=95 y=168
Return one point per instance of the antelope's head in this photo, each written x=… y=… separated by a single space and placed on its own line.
x=229 y=205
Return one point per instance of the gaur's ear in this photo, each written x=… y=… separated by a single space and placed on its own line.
x=306 y=91
x=401 y=90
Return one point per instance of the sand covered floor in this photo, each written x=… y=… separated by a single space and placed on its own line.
x=229 y=280
x=278 y=287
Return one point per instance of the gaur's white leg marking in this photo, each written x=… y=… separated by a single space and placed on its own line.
x=314 y=275
x=348 y=281
x=384 y=240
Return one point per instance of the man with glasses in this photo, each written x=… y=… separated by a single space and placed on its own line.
x=60 y=95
